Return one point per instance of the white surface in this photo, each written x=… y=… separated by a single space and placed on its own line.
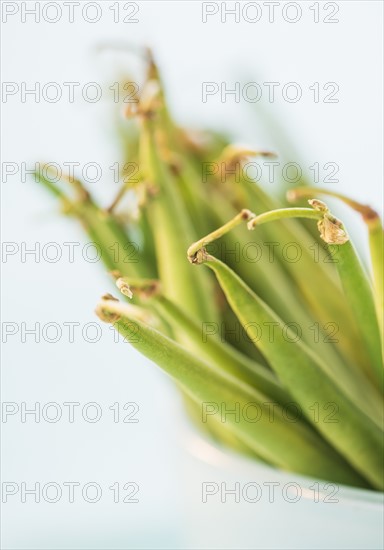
x=189 y=53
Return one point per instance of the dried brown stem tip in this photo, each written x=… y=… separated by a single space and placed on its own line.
x=331 y=229
x=149 y=101
x=102 y=309
x=124 y=288
x=199 y=257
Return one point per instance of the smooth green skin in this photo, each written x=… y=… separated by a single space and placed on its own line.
x=232 y=361
x=291 y=230
x=51 y=187
x=267 y=277
x=107 y=233
x=358 y=384
x=188 y=180
x=102 y=228
x=190 y=187
x=172 y=232
x=217 y=430
x=355 y=436
x=288 y=445
x=376 y=246
x=296 y=212
x=309 y=276
x=270 y=281
x=222 y=355
x=359 y=294
x=375 y=232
